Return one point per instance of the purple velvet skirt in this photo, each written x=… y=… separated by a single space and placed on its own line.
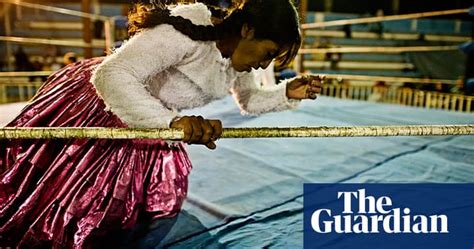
x=67 y=193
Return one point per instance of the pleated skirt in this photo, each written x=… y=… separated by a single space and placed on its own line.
x=69 y=192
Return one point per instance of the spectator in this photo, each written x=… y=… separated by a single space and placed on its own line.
x=50 y=51
x=378 y=26
x=380 y=88
x=98 y=29
x=69 y=58
x=22 y=62
x=37 y=65
x=469 y=87
x=50 y=64
x=333 y=59
x=347 y=31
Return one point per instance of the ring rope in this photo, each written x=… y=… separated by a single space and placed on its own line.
x=58 y=10
x=377 y=49
x=388 y=79
x=262 y=132
x=25 y=74
x=80 y=44
x=382 y=18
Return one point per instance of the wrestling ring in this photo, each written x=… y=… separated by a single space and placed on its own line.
x=248 y=193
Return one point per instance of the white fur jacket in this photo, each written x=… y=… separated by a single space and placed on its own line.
x=160 y=71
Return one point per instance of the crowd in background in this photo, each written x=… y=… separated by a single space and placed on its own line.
x=48 y=61
x=53 y=58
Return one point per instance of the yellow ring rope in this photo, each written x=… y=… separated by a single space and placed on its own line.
x=263 y=132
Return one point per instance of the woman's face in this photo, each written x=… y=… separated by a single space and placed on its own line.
x=253 y=53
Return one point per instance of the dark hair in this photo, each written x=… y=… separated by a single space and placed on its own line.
x=276 y=20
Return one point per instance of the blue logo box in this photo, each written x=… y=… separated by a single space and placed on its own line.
x=389 y=216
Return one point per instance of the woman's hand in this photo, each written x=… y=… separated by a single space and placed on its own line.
x=198 y=130
x=304 y=87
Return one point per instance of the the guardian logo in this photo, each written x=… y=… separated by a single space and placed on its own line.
x=365 y=214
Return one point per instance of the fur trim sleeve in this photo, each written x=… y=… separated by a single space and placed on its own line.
x=198 y=13
x=254 y=99
x=121 y=79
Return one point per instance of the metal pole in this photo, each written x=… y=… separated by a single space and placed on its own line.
x=109 y=30
x=8 y=32
x=395 y=7
x=327 y=5
x=298 y=64
x=86 y=28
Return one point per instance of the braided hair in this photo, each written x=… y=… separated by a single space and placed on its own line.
x=276 y=20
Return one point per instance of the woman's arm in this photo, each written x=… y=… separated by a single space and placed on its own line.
x=255 y=99
x=121 y=79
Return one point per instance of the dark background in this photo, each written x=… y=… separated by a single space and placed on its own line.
x=405 y=6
